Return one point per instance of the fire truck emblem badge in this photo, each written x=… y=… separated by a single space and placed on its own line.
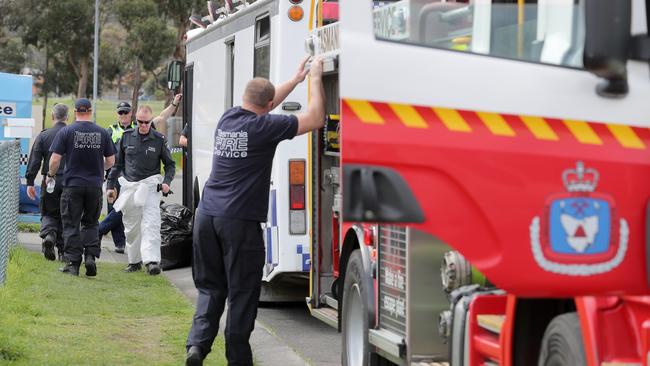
x=579 y=233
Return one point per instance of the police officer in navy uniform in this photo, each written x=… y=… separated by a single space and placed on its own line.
x=228 y=243
x=51 y=227
x=88 y=152
x=113 y=220
x=140 y=153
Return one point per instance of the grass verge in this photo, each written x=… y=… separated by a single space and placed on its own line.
x=106 y=109
x=47 y=318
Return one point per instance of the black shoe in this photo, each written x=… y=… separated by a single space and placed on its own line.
x=153 y=268
x=91 y=266
x=119 y=250
x=133 y=267
x=48 y=246
x=194 y=357
x=70 y=268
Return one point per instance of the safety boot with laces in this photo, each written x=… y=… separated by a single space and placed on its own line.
x=91 y=266
x=133 y=267
x=153 y=268
x=48 y=246
x=70 y=268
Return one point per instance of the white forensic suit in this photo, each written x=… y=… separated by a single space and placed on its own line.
x=139 y=203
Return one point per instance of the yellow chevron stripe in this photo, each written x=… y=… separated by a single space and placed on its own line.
x=583 y=132
x=452 y=120
x=496 y=124
x=539 y=128
x=408 y=115
x=626 y=136
x=365 y=111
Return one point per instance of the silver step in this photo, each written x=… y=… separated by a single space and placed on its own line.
x=330 y=301
x=327 y=315
x=387 y=341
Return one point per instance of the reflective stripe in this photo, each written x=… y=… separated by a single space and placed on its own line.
x=498 y=124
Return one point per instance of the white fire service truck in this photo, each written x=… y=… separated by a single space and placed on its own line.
x=234 y=44
x=514 y=132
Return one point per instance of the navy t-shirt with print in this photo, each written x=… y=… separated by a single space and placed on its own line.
x=84 y=146
x=244 y=146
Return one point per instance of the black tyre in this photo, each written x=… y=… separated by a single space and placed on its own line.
x=355 y=316
x=562 y=344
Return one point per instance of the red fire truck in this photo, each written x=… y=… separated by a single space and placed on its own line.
x=502 y=143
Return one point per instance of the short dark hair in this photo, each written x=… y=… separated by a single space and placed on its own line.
x=259 y=91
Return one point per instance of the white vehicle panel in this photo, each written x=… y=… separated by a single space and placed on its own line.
x=477 y=82
x=285 y=252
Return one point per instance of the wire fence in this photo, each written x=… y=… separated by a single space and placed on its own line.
x=9 y=196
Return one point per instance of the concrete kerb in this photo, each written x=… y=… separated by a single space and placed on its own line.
x=268 y=349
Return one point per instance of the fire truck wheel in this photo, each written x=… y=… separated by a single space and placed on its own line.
x=356 y=350
x=562 y=343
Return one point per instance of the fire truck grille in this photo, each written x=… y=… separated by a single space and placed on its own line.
x=392 y=279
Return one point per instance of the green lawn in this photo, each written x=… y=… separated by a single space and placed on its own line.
x=106 y=112
x=48 y=318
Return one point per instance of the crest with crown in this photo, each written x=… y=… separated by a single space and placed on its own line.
x=580 y=179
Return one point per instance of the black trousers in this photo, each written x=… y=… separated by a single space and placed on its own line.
x=228 y=262
x=51 y=212
x=80 y=210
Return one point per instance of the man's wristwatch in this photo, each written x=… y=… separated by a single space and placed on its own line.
x=51 y=176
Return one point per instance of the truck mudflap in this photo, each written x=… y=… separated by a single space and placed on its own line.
x=541 y=206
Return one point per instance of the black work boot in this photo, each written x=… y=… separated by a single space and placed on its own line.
x=48 y=246
x=153 y=268
x=70 y=268
x=194 y=357
x=91 y=266
x=133 y=267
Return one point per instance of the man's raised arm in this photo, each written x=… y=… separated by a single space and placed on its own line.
x=283 y=90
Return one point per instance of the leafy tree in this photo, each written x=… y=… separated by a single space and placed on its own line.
x=179 y=12
x=114 y=62
x=13 y=55
x=149 y=39
x=63 y=30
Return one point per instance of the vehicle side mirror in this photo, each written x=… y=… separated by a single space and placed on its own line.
x=607 y=40
x=174 y=75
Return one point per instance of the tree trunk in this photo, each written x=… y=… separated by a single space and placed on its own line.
x=83 y=77
x=44 y=90
x=179 y=51
x=137 y=82
x=119 y=86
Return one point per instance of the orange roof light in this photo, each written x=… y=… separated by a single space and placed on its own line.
x=296 y=13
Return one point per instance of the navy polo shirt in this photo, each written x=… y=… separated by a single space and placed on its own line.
x=83 y=146
x=244 y=146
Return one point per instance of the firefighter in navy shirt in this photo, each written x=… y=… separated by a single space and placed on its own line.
x=228 y=243
x=88 y=151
